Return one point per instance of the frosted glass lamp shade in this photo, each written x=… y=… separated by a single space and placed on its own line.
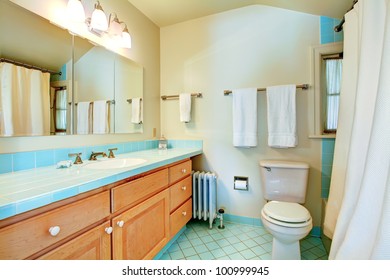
x=115 y=28
x=126 y=39
x=75 y=11
x=99 y=19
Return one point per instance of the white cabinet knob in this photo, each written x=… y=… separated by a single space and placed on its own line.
x=108 y=230
x=120 y=223
x=184 y=213
x=183 y=171
x=183 y=188
x=54 y=230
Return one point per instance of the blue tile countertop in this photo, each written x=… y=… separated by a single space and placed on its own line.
x=29 y=189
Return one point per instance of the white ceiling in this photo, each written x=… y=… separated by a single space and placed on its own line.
x=168 y=12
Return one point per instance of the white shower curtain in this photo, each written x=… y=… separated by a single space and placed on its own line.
x=362 y=226
x=24 y=101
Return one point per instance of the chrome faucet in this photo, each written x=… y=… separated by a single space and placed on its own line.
x=94 y=155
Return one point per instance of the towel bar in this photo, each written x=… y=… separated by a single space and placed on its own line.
x=108 y=101
x=165 y=97
x=131 y=100
x=303 y=86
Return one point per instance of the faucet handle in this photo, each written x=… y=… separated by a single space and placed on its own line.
x=78 y=158
x=111 y=153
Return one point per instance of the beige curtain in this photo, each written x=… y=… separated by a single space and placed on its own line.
x=24 y=101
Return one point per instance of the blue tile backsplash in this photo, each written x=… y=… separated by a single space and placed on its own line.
x=29 y=160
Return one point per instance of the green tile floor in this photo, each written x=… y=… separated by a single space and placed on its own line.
x=235 y=242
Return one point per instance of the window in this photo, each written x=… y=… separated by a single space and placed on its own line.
x=333 y=67
x=327 y=70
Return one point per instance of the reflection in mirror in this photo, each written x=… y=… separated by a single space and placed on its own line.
x=99 y=74
x=93 y=88
x=128 y=87
x=28 y=47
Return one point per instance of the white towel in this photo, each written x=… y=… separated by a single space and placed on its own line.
x=282 y=124
x=245 y=117
x=185 y=107
x=83 y=119
x=136 y=110
x=100 y=117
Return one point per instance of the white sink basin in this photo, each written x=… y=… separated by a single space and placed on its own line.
x=115 y=163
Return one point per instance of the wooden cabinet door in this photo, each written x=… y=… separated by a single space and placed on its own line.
x=95 y=244
x=142 y=231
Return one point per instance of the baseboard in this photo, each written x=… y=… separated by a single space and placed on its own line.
x=316 y=231
x=166 y=247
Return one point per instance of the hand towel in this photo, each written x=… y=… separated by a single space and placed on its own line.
x=83 y=117
x=136 y=110
x=282 y=124
x=245 y=117
x=100 y=117
x=185 y=107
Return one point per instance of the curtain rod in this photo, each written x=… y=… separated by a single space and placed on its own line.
x=165 y=97
x=29 y=66
x=339 y=27
x=303 y=86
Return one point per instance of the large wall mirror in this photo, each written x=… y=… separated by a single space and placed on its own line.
x=89 y=89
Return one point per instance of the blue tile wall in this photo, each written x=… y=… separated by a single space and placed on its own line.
x=28 y=160
x=185 y=144
x=326 y=163
x=328 y=35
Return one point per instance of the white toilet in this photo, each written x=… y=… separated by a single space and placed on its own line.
x=284 y=187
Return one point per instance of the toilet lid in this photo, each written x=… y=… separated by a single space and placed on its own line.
x=287 y=212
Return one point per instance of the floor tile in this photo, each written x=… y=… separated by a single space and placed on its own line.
x=235 y=242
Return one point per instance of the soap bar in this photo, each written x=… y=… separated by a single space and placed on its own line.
x=64 y=164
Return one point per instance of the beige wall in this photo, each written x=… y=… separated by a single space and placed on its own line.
x=255 y=46
x=145 y=51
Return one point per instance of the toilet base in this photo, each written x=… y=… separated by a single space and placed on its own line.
x=283 y=251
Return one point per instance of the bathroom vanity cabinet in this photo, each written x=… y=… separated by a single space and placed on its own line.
x=131 y=219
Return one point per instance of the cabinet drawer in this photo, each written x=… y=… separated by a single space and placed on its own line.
x=180 y=192
x=179 y=171
x=21 y=240
x=95 y=244
x=129 y=194
x=180 y=217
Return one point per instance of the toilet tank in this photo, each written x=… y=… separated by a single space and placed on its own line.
x=284 y=180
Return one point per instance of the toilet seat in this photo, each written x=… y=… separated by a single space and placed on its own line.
x=286 y=214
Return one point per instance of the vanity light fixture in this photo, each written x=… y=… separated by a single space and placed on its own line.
x=75 y=11
x=98 y=23
x=120 y=35
x=98 y=19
